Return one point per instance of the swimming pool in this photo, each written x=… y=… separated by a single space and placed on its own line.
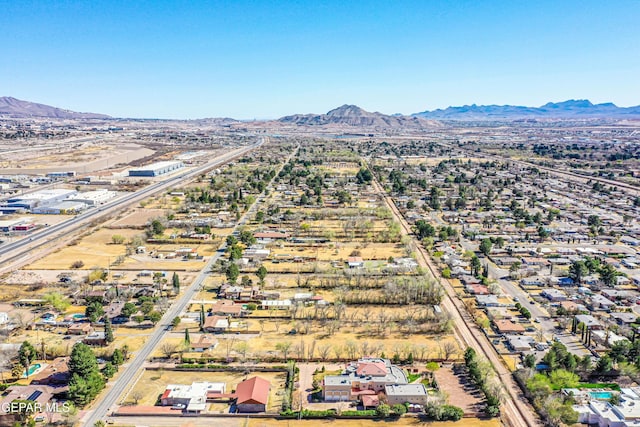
x=601 y=395
x=34 y=368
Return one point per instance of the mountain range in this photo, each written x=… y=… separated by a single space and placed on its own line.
x=13 y=107
x=352 y=115
x=571 y=109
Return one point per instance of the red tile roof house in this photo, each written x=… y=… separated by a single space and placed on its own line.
x=79 y=329
x=204 y=343
x=215 y=324
x=508 y=327
x=227 y=308
x=252 y=395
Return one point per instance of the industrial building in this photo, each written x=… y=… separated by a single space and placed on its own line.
x=39 y=198
x=67 y=207
x=156 y=169
x=93 y=198
x=10 y=224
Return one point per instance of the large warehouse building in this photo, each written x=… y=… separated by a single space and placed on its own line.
x=40 y=198
x=155 y=169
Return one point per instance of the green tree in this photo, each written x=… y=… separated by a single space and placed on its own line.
x=147 y=307
x=117 y=358
x=94 y=311
x=564 y=379
x=117 y=239
x=82 y=360
x=155 y=316
x=128 y=309
x=232 y=272
x=86 y=380
x=57 y=301
x=485 y=246
x=383 y=410
x=175 y=281
x=577 y=271
x=424 y=229
x=530 y=361
x=109 y=370
x=108 y=331
x=187 y=338
x=26 y=355
x=539 y=386
x=176 y=321
x=157 y=228
x=399 y=409
x=608 y=274
x=261 y=273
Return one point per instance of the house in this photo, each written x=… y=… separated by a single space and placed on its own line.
x=366 y=376
x=95 y=338
x=271 y=235
x=406 y=393
x=252 y=395
x=355 y=262
x=562 y=281
x=4 y=318
x=533 y=281
x=55 y=373
x=478 y=289
x=519 y=343
x=79 y=329
x=113 y=309
x=598 y=302
x=215 y=324
x=370 y=401
x=589 y=321
x=487 y=300
x=40 y=395
x=203 y=343
x=193 y=397
x=554 y=294
x=505 y=326
x=625 y=413
x=227 y=308
x=624 y=318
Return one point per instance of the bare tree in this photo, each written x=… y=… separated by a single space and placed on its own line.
x=136 y=395
x=168 y=348
x=338 y=351
x=352 y=349
x=323 y=351
x=449 y=349
x=284 y=348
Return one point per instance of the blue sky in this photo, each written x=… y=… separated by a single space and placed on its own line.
x=266 y=59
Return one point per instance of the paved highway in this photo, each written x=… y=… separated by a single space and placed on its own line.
x=118 y=387
x=19 y=248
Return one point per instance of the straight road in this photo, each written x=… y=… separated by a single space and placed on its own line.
x=516 y=411
x=16 y=250
x=108 y=402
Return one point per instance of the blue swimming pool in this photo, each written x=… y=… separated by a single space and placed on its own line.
x=34 y=368
x=601 y=395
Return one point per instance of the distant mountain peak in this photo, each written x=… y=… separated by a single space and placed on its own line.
x=352 y=115
x=570 y=109
x=14 y=107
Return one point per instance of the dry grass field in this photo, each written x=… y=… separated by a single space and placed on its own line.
x=95 y=250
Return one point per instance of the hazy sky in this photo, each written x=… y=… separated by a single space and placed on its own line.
x=266 y=59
